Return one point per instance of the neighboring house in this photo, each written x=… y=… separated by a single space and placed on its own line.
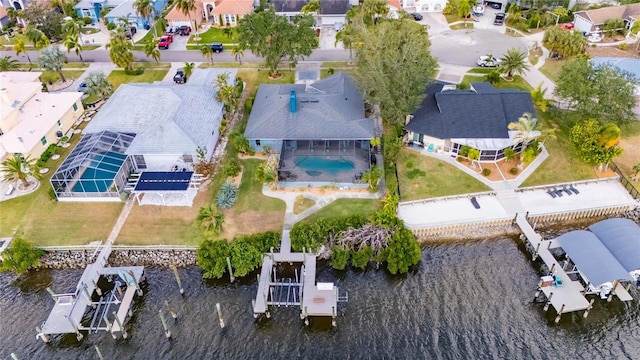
x=116 y=9
x=319 y=130
x=217 y=12
x=16 y=4
x=31 y=120
x=155 y=127
x=4 y=18
x=332 y=11
x=448 y=119
x=588 y=20
x=422 y=5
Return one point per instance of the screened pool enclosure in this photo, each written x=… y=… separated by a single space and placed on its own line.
x=97 y=168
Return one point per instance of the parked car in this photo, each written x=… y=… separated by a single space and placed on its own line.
x=217 y=47
x=499 y=20
x=83 y=87
x=183 y=30
x=416 y=16
x=180 y=77
x=496 y=6
x=130 y=31
x=567 y=26
x=165 y=41
x=487 y=61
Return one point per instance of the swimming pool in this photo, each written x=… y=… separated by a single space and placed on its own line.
x=99 y=176
x=317 y=165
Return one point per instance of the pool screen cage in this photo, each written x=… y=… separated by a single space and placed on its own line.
x=97 y=167
x=343 y=148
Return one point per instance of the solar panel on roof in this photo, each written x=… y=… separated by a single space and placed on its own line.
x=164 y=181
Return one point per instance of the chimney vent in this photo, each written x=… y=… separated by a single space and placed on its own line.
x=293 y=101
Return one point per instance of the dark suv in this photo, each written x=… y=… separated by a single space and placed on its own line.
x=130 y=31
x=180 y=77
x=499 y=19
x=217 y=47
x=183 y=30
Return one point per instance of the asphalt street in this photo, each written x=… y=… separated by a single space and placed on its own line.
x=463 y=47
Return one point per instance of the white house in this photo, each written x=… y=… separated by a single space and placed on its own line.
x=588 y=20
x=421 y=5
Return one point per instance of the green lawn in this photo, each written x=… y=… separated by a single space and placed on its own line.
x=517 y=83
x=255 y=77
x=46 y=222
x=118 y=77
x=215 y=35
x=302 y=203
x=250 y=196
x=462 y=26
x=551 y=69
x=89 y=30
x=425 y=177
x=53 y=76
x=344 y=207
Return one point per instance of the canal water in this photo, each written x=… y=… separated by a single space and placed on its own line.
x=467 y=300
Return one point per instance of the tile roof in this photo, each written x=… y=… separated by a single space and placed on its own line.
x=3 y=12
x=177 y=14
x=629 y=65
x=467 y=114
x=166 y=118
x=331 y=108
x=334 y=7
x=599 y=16
x=236 y=7
x=288 y=5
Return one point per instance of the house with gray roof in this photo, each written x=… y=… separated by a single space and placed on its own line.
x=319 y=130
x=479 y=117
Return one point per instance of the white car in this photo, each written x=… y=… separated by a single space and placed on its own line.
x=487 y=61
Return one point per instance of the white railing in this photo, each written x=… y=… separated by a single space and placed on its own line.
x=445 y=198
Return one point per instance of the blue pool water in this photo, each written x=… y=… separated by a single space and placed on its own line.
x=316 y=165
x=99 y=177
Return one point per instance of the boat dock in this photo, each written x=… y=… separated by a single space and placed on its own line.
x=70 y=308
x=563 y=293
x=319 y=299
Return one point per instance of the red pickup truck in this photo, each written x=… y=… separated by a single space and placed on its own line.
x=165 y=40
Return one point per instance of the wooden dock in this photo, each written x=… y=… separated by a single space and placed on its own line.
x=315 y=299
x=570 y=296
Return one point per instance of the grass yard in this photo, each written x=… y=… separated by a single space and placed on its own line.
x=53 y=76
x=344 y=207
x=517 y=83
x=551 y=69
x=46 y=222
x=422 y=177
x=151 y=65
x=118 y=77
x=215 y=35
x=255 y=77
x=461 y=26
x=172 y=225
x=302 y=203
x=206 y=65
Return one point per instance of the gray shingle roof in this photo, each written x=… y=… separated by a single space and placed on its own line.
x=331 y=108
x=467 y=114
x=166 y=118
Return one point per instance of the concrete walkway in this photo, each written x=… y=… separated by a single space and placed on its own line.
x=321 y=201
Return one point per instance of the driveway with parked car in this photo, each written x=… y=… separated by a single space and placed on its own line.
x=464 y=47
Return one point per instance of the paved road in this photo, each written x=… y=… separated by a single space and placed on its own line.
x=463 y=47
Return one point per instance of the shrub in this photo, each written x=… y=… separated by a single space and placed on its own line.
x=134 y=72
x=339 y=258
x=227 y=196
x=464 y=151
x=464 y=86
x=248 y=105
x=52 y=194
x=20 y=256
x=331 y=71
x=232 y=168
x=486 y=172
x=312 y=235
x=514 y=171
x=87 y=20
x=239 y=86
x=64 y=139
x=415 y=173
x=409 y=164
x=361 y=258
x=623 y=46
x=111 y=26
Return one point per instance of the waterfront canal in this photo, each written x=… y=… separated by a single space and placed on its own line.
x=467 y=300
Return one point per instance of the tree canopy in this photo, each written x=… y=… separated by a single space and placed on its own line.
x=97 y=84
x=20 y=256
x=403 y=251
x=564 y=42
x=600 y=92
x=120 y=50
x=594 y=143
x=274 y=38
x=393 y=65
x=53 y=59
x=40 y=15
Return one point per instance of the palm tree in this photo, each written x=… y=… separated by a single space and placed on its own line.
x=372 y=9
x=72 y=27
x=207 y=52
x=188 y=69
x=52 y=59
x=514 y=62
x=37 y=37
x=8 y=64
x=20 y=48
x=120 y=50
x=348 y=38
x=372 y=177
x=635 y=30
x=186 y=6
x=210 y=219
x=537 y=95
x=464 y=8
x=527 y=130
x=237 y=53
x=72 y=41
x=151 y=50
x=17 y=169
x=312 y=6
x=97 y=84
x=228 y=32
x=144 y=8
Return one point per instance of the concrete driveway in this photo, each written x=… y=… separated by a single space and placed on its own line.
x=436 y=22
x=463 y=47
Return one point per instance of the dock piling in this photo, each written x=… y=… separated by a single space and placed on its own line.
x=586 y=312
x=167 y=332
x=306 y=316
x=98 y=290
x=173 y=313
x=53 y=295
x=253 y=307
x=535 y=254
x=613 y=290
x=86 y=293
x=175 y=272
x=546 y=306
x=79 y=335
x=559 y=314
x=135 y=282
x=220 y=316
x=41 y=335
x=13 y=356
x=231 y=277
x=98 y=351
x=333 y=316
x=109 y=327
x=122 y=330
